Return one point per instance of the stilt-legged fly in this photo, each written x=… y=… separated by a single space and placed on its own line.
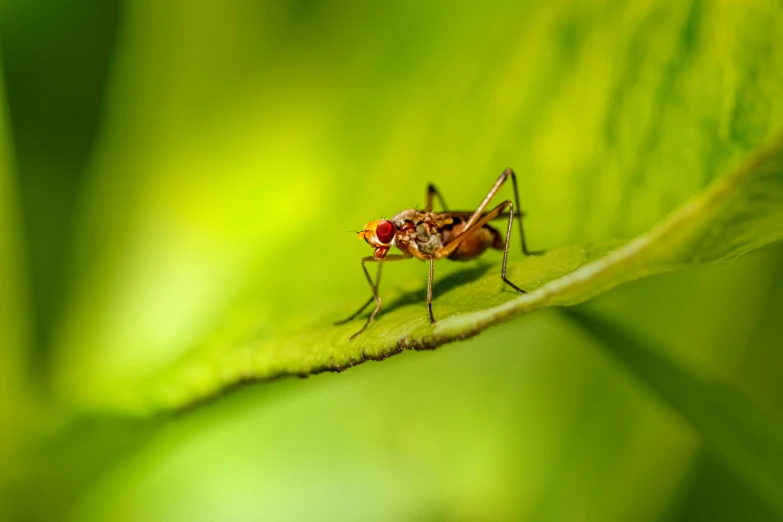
x=430 y=236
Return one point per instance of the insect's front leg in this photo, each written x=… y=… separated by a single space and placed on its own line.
x=370 y=300
x=373 y=287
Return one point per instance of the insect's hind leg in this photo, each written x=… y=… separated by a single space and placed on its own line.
x=506 y=174
x=449 y=247
x=505 y=250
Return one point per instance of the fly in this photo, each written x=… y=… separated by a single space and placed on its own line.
x=429 y=236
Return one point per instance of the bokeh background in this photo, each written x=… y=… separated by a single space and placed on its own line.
x=170 y=168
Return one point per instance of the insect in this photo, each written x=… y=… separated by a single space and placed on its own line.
x=430 y=236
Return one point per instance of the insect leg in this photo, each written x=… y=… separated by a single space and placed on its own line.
x=431 y=193
x=374 y=287
x=429 y=291
x=520 y=215
x=505 y=249
x=455 y=240
x=489 y=216
x=508 y=173
x=370 y=300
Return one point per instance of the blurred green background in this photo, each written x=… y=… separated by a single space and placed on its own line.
x=182 y=174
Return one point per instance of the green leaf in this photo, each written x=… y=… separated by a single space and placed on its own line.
x=738 y=213
x=552 y=414
x=747 y=436
x=212 y=239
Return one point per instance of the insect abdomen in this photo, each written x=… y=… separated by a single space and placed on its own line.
x=475 y=244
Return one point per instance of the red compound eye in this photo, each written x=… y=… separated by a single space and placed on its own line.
x=385 y=231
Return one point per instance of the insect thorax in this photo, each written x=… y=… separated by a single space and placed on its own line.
x=419 y=231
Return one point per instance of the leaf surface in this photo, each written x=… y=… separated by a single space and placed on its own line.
x=738 y=213
x=212 y=241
